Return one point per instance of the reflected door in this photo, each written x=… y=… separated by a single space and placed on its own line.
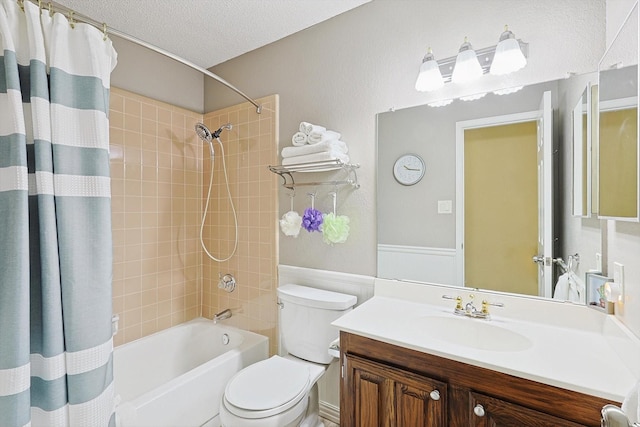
x=504 y=202
x=500 y=208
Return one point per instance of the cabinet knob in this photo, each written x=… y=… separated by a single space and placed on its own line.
x=435 y=395
x=479 y=410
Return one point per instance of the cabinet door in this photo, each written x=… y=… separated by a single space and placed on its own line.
x=485 y=411
x=384 y=396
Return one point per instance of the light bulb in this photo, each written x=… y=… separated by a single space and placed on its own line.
x=467 y=67
x=508 y=57
x=429 y=77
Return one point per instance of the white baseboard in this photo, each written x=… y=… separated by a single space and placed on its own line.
x=330 y=412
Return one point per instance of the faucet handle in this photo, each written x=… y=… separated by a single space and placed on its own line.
x=458 y=300
x=486 y=304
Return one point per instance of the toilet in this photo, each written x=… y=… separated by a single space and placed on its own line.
x=282 y=391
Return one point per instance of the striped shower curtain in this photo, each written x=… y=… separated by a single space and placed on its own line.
x=55 y=221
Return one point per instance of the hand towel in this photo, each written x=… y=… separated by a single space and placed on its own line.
x=561 y=290
x=316 y=157
x=577 y=288
x=328 y=135
x=631 y=404
x=299 y=139
x=334 y=146
x=307 y=128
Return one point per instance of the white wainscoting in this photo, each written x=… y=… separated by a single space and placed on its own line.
x=352 y=284
x=433 y=265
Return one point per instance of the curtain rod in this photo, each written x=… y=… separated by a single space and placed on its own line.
x=110 y=30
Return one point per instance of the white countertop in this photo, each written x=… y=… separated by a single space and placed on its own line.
x=566 y=357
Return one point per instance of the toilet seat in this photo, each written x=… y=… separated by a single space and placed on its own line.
x=267 y=388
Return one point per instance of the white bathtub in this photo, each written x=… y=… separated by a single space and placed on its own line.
x=176 y=377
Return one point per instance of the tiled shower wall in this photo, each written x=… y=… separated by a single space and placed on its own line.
x=159 y=183
x=156 y=171
x=249 y=147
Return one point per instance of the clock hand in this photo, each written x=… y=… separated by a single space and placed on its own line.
x=410 y=169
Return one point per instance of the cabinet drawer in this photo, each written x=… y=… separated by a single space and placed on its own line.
x=486 y=411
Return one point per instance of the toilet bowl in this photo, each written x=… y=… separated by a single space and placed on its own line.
x=282 y=391
x=275 y=392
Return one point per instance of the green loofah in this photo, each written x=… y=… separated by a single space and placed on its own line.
x=335 y=228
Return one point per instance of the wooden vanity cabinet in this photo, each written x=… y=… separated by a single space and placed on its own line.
x=386 y=385
x=385 y=396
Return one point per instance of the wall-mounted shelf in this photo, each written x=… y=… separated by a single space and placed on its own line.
x=286 y=173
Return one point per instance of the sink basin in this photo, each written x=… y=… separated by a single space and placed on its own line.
x=474 y=333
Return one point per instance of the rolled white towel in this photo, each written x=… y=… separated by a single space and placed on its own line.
x=631 y=404
x=316 y=157
x=327 y=135
x=307 y=128
x=299 y=139
x=335 y=146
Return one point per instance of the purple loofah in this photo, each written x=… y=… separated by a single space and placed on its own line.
x=312 y=219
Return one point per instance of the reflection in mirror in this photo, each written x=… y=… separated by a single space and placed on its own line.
x=618 y=126
x=582 y=155
x=417 y=224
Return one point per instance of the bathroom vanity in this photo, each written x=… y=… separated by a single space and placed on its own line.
x=387 y=385
x=412 y=362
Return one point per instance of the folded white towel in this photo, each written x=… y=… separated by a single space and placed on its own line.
x=307 y=128
x=316 y=157
x=299 y=139
x=333 y=146
x=327 y=135
x=631 y=404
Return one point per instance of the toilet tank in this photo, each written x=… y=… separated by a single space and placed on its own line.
x=305 y=320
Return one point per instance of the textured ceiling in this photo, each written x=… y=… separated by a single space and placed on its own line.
x=208 y=32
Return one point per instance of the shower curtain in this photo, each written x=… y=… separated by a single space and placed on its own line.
x=55 y=221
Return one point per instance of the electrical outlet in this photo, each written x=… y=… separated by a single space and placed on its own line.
x=618 y=277
x=599 y=261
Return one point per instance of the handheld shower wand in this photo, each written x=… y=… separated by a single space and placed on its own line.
x=205 y=134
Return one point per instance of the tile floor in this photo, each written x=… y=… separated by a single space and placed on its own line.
x=328 y=423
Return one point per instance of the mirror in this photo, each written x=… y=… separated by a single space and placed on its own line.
x=618 y=172
x=417 y=224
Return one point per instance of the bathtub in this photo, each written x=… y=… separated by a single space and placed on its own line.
x=177 y=377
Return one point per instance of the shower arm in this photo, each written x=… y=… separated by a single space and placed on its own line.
x=106 y=29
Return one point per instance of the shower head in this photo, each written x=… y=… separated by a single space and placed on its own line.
x=204 y=134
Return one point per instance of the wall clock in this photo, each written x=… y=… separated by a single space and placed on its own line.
x=408 y=169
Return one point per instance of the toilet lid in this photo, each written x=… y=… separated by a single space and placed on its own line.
x=268 y=384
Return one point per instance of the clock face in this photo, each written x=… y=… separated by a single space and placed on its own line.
x=408 y=169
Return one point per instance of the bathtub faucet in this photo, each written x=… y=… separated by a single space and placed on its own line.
x=224 y=314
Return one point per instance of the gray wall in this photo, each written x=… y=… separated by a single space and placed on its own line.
x=344 y=71
x=147 y=73
x=409 y=215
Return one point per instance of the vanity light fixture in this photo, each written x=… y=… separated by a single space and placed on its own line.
x=509 y=55
x=429 y=76
x=467 y=68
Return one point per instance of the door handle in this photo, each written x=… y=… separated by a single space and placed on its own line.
x=538 y=259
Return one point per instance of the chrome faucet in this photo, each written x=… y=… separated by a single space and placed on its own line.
x=471 y=310
x=224 y=314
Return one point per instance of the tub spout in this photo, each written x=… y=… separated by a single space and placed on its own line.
x=224 y=314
